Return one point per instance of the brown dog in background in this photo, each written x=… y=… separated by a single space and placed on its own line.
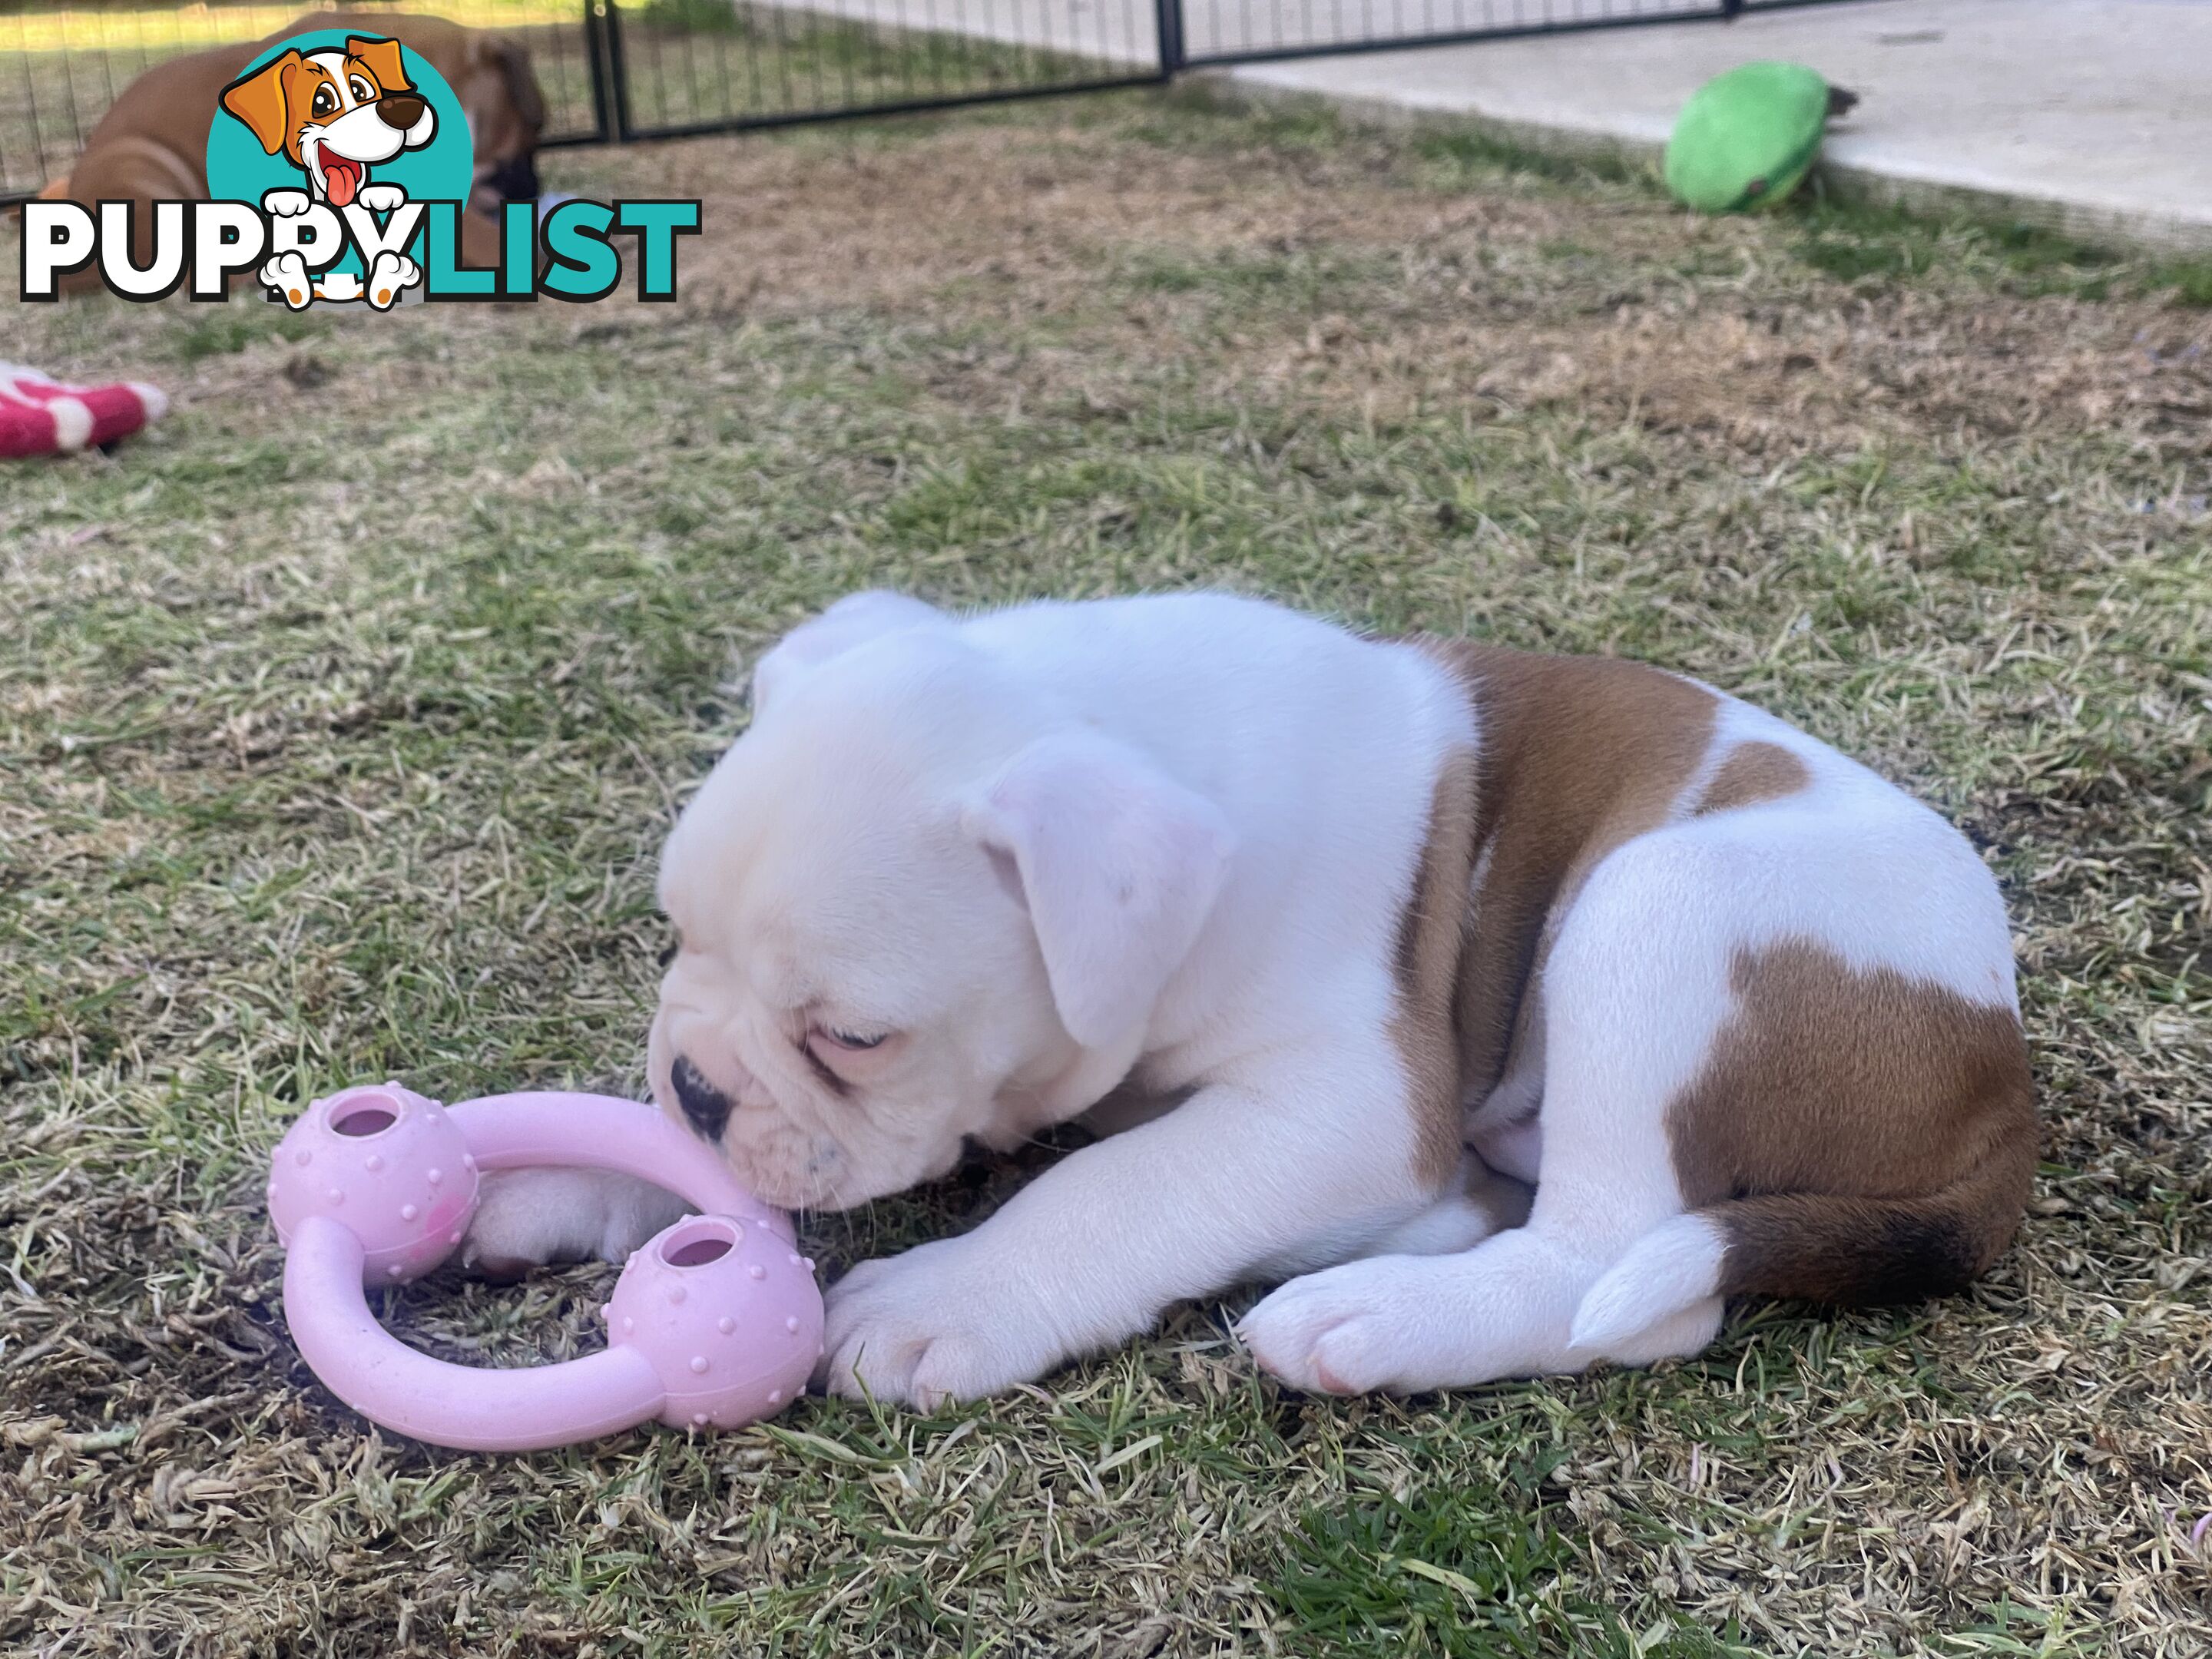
x=152 y=145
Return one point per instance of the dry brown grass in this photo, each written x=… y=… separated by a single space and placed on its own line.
x=339 y=719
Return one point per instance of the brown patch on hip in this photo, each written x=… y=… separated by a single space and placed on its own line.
x=1577 y=756
x=1430 y=936
x=1862 y=1137
x=1753 y=772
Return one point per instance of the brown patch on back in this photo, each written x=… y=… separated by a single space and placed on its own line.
x=1579 y=755
x=1877 y=1132
x=1430 y=936
x=1754 y=772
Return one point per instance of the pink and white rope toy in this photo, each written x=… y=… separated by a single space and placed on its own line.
x=714 y=1323
x=40 y=415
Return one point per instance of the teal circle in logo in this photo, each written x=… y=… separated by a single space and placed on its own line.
x=254 y=144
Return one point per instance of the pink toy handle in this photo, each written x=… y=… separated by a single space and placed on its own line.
x=522 y=1131
x=523 y=1409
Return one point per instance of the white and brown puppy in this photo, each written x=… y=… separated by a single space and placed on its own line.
x=1402 y=929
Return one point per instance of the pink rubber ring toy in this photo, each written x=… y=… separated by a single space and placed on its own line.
x=714 y=1323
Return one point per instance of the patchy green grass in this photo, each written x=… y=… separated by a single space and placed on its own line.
x=342 y=714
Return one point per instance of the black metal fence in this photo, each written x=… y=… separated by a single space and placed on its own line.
x=659 y=69
x=1220 y=32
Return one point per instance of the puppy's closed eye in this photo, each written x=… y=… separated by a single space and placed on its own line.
x=851 y=1045
x=844 y=1058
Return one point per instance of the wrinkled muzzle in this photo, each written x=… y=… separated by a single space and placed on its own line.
x=699 y=1080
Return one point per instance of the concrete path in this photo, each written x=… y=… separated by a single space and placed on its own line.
x=2090 y=116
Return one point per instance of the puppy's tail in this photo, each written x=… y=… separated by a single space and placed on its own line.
x=1855 y=1251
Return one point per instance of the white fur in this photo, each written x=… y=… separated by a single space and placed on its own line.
x=1119 y=865
x=1048 y=852
x=1674 y=1267
x=527 y=1216
x=856 y=619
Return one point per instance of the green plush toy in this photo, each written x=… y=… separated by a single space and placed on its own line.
x=1747 y=139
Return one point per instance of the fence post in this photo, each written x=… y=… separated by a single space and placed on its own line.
x=602 y=51
x=1169 y=14
x=617 y=72
x=595 y=68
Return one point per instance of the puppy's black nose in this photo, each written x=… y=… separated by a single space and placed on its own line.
x=707 y=1107
x=400 y=110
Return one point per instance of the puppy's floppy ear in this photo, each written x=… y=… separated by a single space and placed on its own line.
x=853 y=621
x=383 y=59
x=1119 y=864
x=258 y=100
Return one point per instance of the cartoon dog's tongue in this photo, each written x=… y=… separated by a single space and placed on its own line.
x=341 y=177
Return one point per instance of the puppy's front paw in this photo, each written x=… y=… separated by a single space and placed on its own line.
x=284 y=203
x=381 y=198
x=933 y=1325
x=528 y=1218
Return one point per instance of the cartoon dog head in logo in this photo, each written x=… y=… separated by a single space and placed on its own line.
x=334 y=114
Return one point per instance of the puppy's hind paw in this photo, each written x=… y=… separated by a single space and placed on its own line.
x=389 y=277
x=287 y=273
x=1342 y=1332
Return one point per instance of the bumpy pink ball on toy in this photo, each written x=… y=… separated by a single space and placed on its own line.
x=393 y=1167
x=728 y=1315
